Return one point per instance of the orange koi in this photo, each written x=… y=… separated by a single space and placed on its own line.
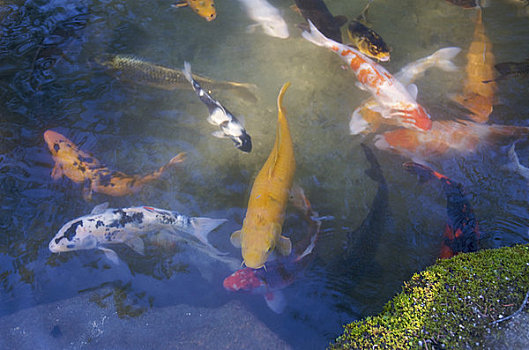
x=261 y=229
x=203 y=8
x=394 y=99
x=478 y=96
x=82 y=167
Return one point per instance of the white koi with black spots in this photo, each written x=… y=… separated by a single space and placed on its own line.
x=105 y=226
x=219 y=116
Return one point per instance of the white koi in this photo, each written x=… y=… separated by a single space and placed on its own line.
x=104 y=226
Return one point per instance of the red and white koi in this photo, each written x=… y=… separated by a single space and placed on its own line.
x=394 y=99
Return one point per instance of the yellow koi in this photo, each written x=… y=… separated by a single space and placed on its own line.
x=203 y=8
x=82 y=167
x=262 y=226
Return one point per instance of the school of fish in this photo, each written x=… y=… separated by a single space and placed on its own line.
x=271 y=260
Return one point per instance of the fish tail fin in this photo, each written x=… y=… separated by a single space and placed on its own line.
x=515 y=164
x=374 y=171
x=203 y=226
x=187 y=72
x=276 y=301
x=505 y=134
x=443 y=58
x=245 y=90
x=179 y=158
x=315 y=36
x=423 y=173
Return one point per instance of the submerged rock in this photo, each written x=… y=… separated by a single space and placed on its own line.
x=80 y=323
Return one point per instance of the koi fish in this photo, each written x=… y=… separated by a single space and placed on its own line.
x=230 y=126
x=282 y=272
x=317 y=12
x=461 y=232
x=479 y=97
x=367 y=119
x=138 y=71
x=104 y=226
x=462 y=136
x=267 y=17
x=261 y=229
x=510 y=69
x=365 y=39
x=467 y=4
x=203 y=8
x=394 y=99
x=82 y=167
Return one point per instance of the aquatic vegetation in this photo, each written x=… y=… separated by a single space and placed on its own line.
x=449 y=305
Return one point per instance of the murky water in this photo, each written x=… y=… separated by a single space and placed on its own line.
x=49 y=80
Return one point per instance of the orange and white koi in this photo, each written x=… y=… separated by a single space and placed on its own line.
x=447 y=135
x=261 y=230
x=394 y=99
x=203 y=8
x=82 y=167
x=367 y=119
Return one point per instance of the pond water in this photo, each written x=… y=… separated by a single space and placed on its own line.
x=50 y=79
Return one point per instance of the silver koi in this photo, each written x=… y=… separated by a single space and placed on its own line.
x=104 y=226
x=218 y=115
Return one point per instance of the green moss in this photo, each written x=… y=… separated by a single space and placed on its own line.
x=449 y=305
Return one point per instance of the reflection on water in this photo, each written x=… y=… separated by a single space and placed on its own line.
x=375 y=236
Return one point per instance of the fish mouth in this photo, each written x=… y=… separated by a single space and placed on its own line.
x=245 y=143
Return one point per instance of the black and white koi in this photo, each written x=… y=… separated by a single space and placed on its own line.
x=104 y=226
x=218 y=115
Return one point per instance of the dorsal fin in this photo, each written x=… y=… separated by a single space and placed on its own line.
x=281 y=119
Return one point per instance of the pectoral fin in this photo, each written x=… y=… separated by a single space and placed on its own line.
x=235 y=239
x=57 y=172
x=137 y=245
x=412 y=89
x=276 y=301
x=340 y=20
x=219 y=134
x=98 y=209
x=284 y=246
x=111 y=255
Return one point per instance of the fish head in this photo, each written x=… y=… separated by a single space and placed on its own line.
x=368 y=41
x=55 y=141
x=276 y=28
x=243 y=142
x=257 y=246
x=72 y=236
x=243 y=280
x=204 y=8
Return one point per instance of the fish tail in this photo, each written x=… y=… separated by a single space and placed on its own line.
x=423 y=173
x=515 y=164
x=374 y=171
x=187 y=72
x=179 y=158
x=443 y=58
x=505 y=134
x=315 y=36
x=201 y=227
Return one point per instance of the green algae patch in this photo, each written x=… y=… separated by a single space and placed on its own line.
x=449 y=305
